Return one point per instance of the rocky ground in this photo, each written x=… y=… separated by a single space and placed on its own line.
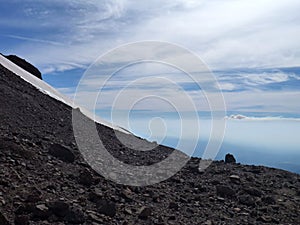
x=25 y=65
x=39 y=185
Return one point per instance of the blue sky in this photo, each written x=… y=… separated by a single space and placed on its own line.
x=252 y=47
x=226 y=34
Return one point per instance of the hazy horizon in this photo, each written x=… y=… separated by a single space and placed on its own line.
x=250 y=48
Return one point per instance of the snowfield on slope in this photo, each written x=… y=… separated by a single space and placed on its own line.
x=52 y=92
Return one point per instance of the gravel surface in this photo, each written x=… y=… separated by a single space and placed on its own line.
x=45 y=180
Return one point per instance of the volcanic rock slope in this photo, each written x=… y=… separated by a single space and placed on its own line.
x=25 y=65
x=45 y=180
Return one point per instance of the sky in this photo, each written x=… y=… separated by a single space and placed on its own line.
x=252 y=48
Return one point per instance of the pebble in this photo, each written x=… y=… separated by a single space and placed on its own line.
x=237 y=209
x=235 y=178
x=208 y=222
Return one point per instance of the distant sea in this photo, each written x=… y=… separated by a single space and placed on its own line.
x=250 y=155
x=268 y=139
x=271 y=142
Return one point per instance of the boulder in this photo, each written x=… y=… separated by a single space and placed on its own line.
x=247 y=200
x=253 y=191
x=269 y=200
x=107 y=208
x=173 y=205
x=145 y=212
x=41 y=211
x=225 y=191
x=59 y=208
x=86 y=178
x=75 y=216
x=229 y=158
x=62 y=152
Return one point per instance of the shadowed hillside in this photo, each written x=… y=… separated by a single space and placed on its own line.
x=44 y=179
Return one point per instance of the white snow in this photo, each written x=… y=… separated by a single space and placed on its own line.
x=52 y=92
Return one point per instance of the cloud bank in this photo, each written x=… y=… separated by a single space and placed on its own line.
x=229 y=36
x=61 y=35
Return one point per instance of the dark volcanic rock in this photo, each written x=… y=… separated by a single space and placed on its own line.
x=247 y=200
x=22 y=220
x=145 y=212
x=95 y=195
x=86 y=178
x=229 y=158
x=62 y=152
x=173 y=205
x=75 y=216
x=269 y=200
x=266 y=219
x=3 y=220
x=107 y=207
x=24 y=209
x=25 y=65
x=225 y=191
x=235 y=179
x=59 y=208
x=253 y=191
x=32 y=196
x=38 y=187
x=41 y=211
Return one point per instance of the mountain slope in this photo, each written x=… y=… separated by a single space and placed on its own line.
x=25 y=65
x=50 y=91
x=39 y=185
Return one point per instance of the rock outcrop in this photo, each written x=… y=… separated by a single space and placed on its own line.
x=229 y=158
x=25 y=65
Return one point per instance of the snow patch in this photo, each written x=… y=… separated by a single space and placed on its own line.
x=52 y=92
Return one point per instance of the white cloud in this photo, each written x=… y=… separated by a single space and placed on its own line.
x=226 y=34
x=243 y=101
x=226 y=86
x=233 y=33
x=34 y=40
x=265 y=78
x=252 y=118
x=254 y=80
